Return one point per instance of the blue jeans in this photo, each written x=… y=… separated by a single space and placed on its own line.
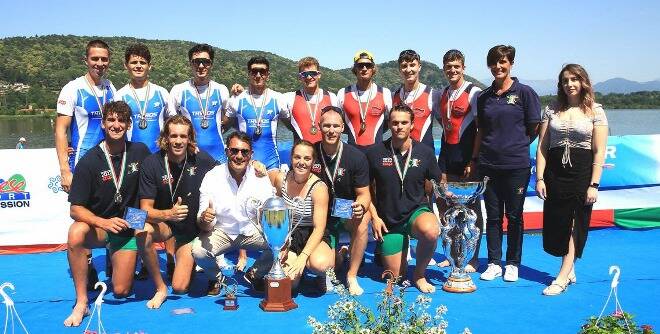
x=505 y=194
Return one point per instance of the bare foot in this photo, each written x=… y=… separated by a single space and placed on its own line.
x=353 y=287
x=444 y=263
x=424 y=286
x=77 y=314
x=471 y=267
x=158 y=300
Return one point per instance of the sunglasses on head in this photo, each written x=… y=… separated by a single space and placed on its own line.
x=364 y=65
x=234 y=151
x=201 y=61
x=308 y=74
x=262 y=71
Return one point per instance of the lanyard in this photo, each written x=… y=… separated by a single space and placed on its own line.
x=363 y=112
x=142 y=109
x=404 y=96
x=312 y=114
x=91 y=88
x=451 y=98
x=259 y=111
x=332 y=176
x=402 y=175
x=204 y=108
x=169 y=175
x=117 y=181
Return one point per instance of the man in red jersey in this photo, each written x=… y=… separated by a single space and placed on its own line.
x=364 y=103
x=305 y=104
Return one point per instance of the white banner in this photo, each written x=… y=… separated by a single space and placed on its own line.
x=33 y=207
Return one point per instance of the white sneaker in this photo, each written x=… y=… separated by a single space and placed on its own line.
x=510 y=273
x=491 y=272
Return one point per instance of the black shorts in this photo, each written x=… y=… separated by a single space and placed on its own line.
x=300 y=236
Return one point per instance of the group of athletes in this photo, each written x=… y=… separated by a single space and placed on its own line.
x=142 y=146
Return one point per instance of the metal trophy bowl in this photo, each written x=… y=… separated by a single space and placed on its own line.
x=231 y=301
x=275 y=224
x=460 y=235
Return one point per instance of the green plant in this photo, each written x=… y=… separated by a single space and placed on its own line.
x=618 y=322
x=348 y=315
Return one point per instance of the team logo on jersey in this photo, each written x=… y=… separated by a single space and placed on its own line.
x=376 y=110
x=388 y=162
x=269 y=112
x=165 y=179
x=341 y=171
x=316 y=168
x=106 y=175
x=133 y=167
x=192 y=170
x=414 y=163
x=156 y=104
x=512 y=99
x=419 y=112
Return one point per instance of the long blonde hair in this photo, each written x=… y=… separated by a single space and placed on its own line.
x=587 y=98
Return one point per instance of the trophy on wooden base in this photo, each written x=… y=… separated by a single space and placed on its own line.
x=459 y=235
x=230 y=302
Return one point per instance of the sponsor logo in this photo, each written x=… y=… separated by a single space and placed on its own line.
x=55 y=184
x=156 y=104
x=192 y=170
x=388 y=162
x=13 y=193
x=62 y=102
x=414 y=163
x=133 y=167
x=341 y=171
x=214 y=103
x=166 y=180
x=316 y=168
x=106 y=175
x=376 y=110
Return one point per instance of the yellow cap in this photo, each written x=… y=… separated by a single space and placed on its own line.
x=363 y=54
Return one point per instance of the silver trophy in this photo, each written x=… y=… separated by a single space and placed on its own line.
x=275 y=226
x=459 y=235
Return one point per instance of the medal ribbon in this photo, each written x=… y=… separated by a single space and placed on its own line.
x=203 y=108
x=91 y=88
x=141 y=109
x=332 y=176
x=363 y=112
x=117 y=181
x=404 y=98
x=312 y=115
x=169 y=175
x=453 y=95
x=402 y=176
x=259 y=111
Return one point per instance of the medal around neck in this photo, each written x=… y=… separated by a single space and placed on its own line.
x=204 y=123
x=313 y=130
x=342 y=208
x=135 y=218
x=257 y=131
x=363 y=126
x=459 y=235
x=143 y=123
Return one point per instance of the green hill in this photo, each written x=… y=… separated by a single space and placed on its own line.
x=47 y=63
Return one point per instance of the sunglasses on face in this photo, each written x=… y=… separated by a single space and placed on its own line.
x=308 y=74
x=243 y=151
x=360 y=66
x=201 y=61
x=262 y=71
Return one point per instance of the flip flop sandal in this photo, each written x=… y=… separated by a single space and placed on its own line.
x=555 y=288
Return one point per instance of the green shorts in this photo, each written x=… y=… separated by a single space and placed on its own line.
x=397 y=237
x=336 y=226
x=119 y=242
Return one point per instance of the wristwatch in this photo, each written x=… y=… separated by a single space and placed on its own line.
x=594 y=185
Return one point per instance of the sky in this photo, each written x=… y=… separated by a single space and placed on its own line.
x=609 y=38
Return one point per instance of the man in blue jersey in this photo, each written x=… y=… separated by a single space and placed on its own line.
x=79 y=112
x=256 y=112
x=150 y=107
x=203 y=101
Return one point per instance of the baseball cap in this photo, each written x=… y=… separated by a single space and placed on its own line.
x=21 y=139
x=363 y=54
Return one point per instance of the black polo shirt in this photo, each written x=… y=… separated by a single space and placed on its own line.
x=393 y=206
x=502 y=121
x=154 y=185
x=353 y=172
x=93 y=188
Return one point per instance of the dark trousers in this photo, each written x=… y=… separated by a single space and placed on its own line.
x=505 y=194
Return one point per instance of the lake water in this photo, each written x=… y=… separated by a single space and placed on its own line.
x=39 y=131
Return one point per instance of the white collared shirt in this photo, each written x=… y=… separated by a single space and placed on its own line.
x=229 y=198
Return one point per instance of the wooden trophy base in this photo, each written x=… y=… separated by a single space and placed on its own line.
x=459 y=285
x=278 y=296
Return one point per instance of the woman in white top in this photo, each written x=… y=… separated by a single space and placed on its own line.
x=569 y=162
x=309 y=246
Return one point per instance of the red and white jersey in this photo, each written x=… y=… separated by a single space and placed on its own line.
x=375 y=103
x=458 y=108
x=301 y=111
x=420 y=100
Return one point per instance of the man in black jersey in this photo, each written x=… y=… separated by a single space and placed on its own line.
x=342 y=167
x=104 y=184
x=169 y=192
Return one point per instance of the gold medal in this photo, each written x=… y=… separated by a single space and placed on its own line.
x=363 y=126
x=313 y=130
